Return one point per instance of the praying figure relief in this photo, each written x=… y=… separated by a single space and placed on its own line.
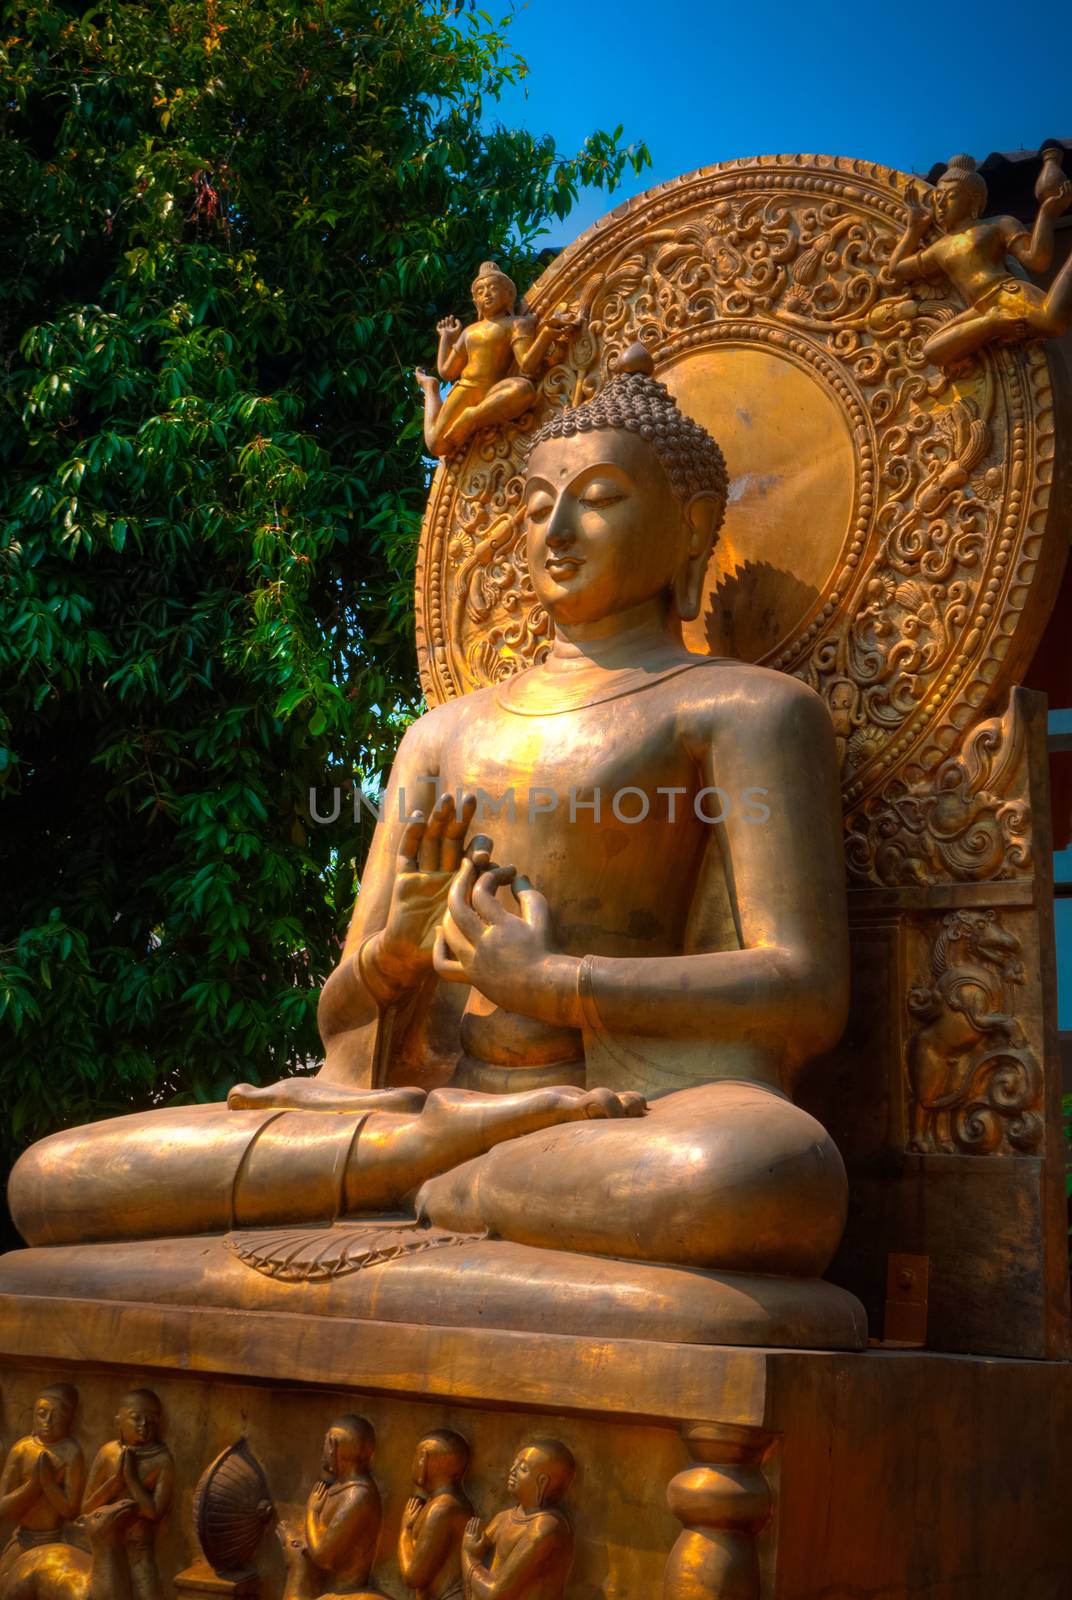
x=526 y=1551
x=136 y=1466
x=972 y=254
x=41 y=1484
x=435 y=1518
x=490 y=365
x=333 y=1551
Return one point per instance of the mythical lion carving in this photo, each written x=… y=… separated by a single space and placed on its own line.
x=973 y=1081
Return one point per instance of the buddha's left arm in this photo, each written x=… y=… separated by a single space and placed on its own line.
x=788 y=980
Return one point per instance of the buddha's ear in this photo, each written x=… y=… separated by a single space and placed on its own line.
x=702 y=515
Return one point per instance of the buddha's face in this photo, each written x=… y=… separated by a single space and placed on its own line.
x=52 y=1419
x=139 y=1421
x=605 y=531
x=491 y=296
x=954 y=203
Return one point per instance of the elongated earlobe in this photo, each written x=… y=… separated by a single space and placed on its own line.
x=703 y=514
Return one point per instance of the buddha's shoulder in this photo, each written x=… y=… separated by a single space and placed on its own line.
x=737 y=694
x=443 y=721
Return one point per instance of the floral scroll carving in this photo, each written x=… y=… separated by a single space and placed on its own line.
x=974 y=1083
x=966 y=823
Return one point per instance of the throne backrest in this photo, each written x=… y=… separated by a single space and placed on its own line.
x=894 y=539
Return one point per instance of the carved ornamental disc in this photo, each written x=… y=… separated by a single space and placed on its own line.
x=888 y=537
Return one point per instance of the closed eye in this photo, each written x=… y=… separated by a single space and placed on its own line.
x=601 y=498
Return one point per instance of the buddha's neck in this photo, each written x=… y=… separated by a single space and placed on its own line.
x=625 y=639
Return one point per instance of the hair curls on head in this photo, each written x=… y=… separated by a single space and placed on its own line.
x=635 y=400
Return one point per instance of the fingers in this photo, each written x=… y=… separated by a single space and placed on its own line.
x=459 y=901
x=433 y=843
x=454 y=832
x=444 y=963
x=532 y=905
x=442 y=815
x=484 y=892
x=479 y=850
x=410 y=843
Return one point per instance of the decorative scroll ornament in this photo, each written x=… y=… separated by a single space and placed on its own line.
x=316 y=1255
x=974 y=1083
x=967 y=823
x=889 y=537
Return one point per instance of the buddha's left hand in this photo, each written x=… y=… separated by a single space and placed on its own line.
x=510 y=957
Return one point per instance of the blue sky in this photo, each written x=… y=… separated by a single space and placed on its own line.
x=701 y=82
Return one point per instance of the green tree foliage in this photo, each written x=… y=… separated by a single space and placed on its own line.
x=228 y=229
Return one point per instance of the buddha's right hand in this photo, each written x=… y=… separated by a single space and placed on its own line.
x=399 y=956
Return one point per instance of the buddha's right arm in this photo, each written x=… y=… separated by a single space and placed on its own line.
x=359 y=994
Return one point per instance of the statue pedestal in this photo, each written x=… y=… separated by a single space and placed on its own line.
x=790 y=1473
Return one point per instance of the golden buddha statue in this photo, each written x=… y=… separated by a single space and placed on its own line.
x=651 y=933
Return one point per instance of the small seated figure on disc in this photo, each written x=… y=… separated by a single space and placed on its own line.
x=647 y=921
x=490 y=365
x=972 y=254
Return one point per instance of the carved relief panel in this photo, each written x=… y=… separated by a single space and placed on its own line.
x=973 y=1078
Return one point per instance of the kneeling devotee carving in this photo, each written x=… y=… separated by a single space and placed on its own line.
x=651 y=973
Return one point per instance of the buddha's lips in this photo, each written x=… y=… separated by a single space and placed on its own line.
x=562 y=566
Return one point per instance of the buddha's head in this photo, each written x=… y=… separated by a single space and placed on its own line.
x=53 y=1413
x=441 y=1458
x=959 y=195
x=348 y=1446
x=541 y=1474
x=139 y=1416
x=493 y=292
x=624 y=497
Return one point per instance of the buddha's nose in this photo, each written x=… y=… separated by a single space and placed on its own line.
x=561 y=530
